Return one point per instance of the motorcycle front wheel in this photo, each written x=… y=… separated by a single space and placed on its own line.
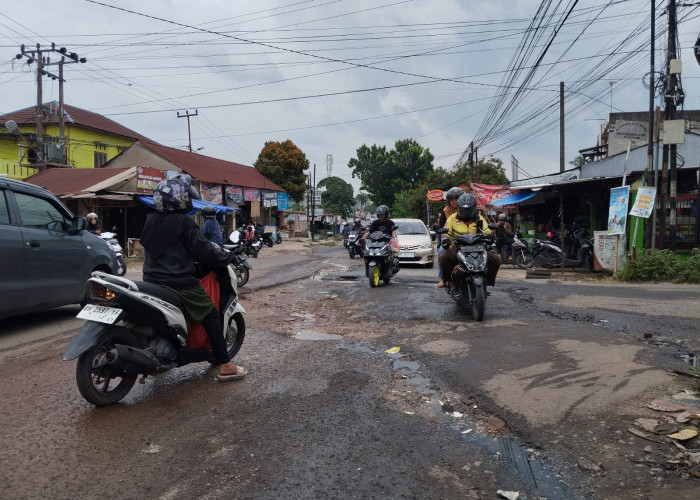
x=523 y=259
x=374 y=277
x=242 y=275
x=546 y=259
x=351 y=252
x=479 y=303
x=102 y=384
x=269 y=242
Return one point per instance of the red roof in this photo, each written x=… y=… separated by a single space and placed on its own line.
x=70 y=181
x=72 y=116
x=213 y=170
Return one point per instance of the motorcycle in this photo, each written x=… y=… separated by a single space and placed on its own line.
x=252 y=243
x=356 y=244
x=548 y=253
x=470 y=273
x=381 y=262
x=520 y=251
x=137 y=328
x=111 y=238
x=240 y=264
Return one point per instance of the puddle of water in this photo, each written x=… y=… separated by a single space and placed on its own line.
x=306 y=335
x=401 y=364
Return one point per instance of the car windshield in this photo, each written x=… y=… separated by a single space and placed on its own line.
x=411 y=228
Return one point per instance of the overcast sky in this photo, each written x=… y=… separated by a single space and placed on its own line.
x=333 y=75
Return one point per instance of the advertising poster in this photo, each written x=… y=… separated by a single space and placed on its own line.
x=269 y=199
x=251 y=194
x=604 y=245
x=644 y=204
x=282 y=201
x=617 y=213
x=234 y=194
x=147 y=178
x=487 y=194
x=211 y=193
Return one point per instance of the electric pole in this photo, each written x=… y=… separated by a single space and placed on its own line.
x=648 y=175
x=189 y=135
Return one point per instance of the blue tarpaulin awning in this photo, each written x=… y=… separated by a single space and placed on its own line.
x=523 y=195
x=197 y=205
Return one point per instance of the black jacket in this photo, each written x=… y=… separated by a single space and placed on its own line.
x=173 y=244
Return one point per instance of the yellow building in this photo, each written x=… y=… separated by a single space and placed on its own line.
x=90 y=140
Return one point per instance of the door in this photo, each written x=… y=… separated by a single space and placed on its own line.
x=11 y=260
x=54 y=259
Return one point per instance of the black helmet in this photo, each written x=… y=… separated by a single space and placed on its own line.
x=466 y=207
x=209 y=211
x=174 y=194
x=383 y=210
x=453 y=193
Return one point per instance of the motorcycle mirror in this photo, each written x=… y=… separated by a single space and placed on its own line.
x=235 y=236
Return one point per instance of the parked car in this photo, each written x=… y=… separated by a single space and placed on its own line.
x=46 y=254
x=415 y=243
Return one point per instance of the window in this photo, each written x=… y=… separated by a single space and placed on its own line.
x=4 y=212
x=100 y=159
x=38 y=212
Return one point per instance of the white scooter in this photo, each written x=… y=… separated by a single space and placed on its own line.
x=111 y=238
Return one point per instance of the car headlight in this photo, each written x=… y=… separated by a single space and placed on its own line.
x=426 y=245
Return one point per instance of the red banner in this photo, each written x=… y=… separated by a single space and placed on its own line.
x=486 y=194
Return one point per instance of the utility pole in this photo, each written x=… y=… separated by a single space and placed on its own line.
x=41 y=63
x=648 y=175
x=561 y=127
x=189 y=135
x=313 y=206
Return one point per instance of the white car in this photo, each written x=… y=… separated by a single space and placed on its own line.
x=415 y=243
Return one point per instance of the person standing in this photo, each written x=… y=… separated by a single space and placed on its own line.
x=452 y=196
x=504 y=237
x=211 y=229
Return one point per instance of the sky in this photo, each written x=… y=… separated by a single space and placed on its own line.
x=332 y=75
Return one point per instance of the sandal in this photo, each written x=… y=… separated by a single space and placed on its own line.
x=441 y=284
x=240 y=373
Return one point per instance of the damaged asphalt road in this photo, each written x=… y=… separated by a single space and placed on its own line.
x=542 y=398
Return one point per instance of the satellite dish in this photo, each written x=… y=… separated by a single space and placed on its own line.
x=696 y=50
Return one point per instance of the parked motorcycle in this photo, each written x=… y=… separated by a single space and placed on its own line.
x=381 y=262
x=240 y=264
x=137 y=328
x=548 y=253
x=356 y=244
x=252 y=243
x=520 y=251
x=470 y=273
x=111 y=238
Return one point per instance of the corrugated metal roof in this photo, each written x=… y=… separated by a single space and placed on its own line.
x=72 y=181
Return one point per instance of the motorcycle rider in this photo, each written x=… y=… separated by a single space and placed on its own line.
x=211 y=229
x=504 y=237
x=172 y=242
x=382 y=223
x=451 y=196
x=92 y=225
x=465 y=221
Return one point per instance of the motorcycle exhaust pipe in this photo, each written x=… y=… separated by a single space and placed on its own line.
x=132 y=359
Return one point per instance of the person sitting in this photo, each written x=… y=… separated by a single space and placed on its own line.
x=211 y=230
x=465 y=221
x=382 y=223
x=452 y=196
x=172 y=244
x=504 y=237
x=92 y=225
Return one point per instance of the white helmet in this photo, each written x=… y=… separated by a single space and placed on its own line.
x=91 y=215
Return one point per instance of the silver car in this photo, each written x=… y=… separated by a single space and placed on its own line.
x=415 y=243
x=46 y=254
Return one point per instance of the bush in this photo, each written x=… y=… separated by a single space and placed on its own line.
x=661 y=265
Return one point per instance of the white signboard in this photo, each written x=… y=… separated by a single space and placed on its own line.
x=644 y=203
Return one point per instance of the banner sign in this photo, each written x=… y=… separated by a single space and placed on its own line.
x=435 y=195
x=211 y=194
x=234 y=194
x=147 y=178
x=251 y=194
x=269 y=199
x=282 y=201
x=644 y=204
x=617 y=213
x=486 y=194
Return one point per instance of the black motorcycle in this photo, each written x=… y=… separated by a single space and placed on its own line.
x=356 y=244
x=381 y=263
x=520 y=251
x=578 y=251
x=240 y=263
x=469 y=275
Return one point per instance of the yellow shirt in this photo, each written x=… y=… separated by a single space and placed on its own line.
x=456 y=227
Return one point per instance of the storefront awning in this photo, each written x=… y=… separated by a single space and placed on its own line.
x=196 y=204
x=523 y=195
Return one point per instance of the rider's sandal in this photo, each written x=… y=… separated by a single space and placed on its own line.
x=240 y=373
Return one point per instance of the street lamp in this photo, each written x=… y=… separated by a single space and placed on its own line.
x=31 y=153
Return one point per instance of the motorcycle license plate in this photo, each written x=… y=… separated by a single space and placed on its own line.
x=472 y=248
x=406 y=255
x=100 y=314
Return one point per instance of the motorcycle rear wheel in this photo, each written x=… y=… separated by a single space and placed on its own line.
x=523 y=260
x=479 y=304
x=590 y=262
x=235 y=333
x=374 y=277
x=102 y=386
x=121 y=266
x=269 y=242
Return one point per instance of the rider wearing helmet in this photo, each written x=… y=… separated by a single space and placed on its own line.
x=451 y=196
x=172 y=243
x=382 y=223
x=211 y=229
x=466 y=221
x=92 y=225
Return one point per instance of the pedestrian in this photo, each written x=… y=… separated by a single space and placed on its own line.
x=504 y=237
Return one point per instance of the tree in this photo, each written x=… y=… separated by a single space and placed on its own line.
x=337 y=199
x=384 y=174
x=284 y=164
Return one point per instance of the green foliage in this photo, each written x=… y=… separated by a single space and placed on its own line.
x=284 y=164
x=661 y=265
x=337 y=199
x=384 y=174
